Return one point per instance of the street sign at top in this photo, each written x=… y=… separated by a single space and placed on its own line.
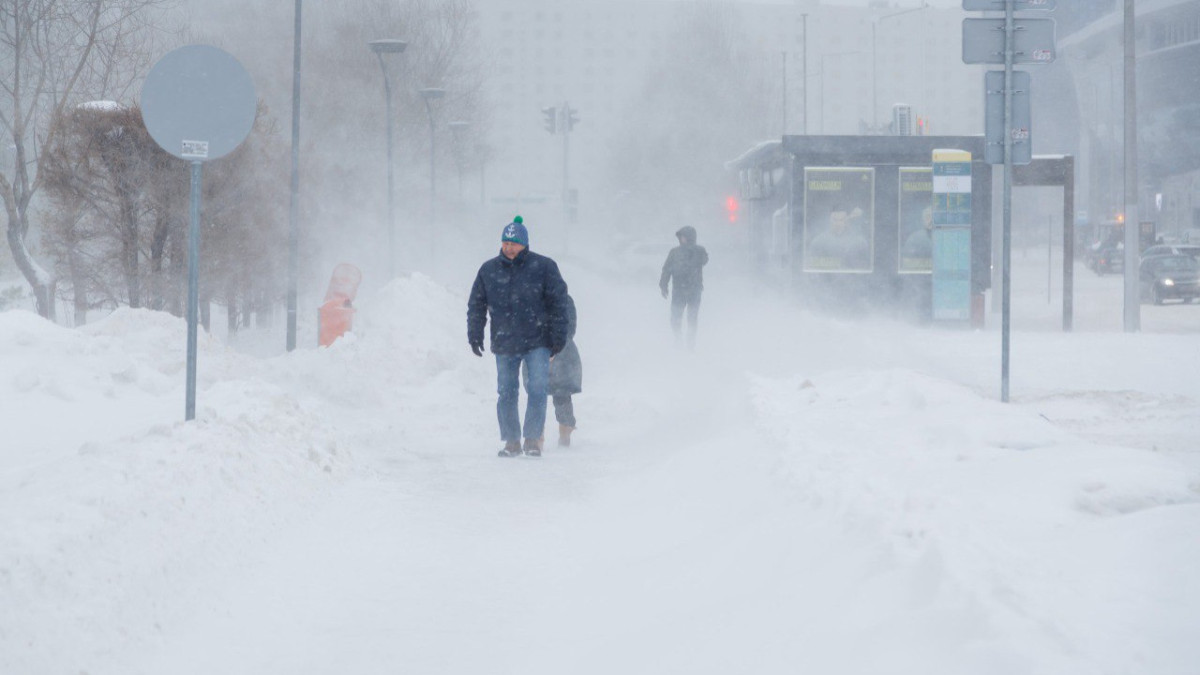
x=998 y=5
x=983 y=41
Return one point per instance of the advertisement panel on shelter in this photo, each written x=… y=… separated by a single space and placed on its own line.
x=839 y=218
x=916 y=220
x=951 y=281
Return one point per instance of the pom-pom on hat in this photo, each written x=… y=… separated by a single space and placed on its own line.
x=516 y=232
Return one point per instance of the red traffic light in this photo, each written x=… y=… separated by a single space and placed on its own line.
x=731 y=206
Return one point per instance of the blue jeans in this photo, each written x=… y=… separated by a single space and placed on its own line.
x=508 y=383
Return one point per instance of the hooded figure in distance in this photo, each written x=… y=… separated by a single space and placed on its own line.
x=683 y=274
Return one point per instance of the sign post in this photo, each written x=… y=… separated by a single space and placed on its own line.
x=198 y=104
x=1009 y=40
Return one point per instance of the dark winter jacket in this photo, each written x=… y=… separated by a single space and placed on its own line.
x=526 y=298
x=685 y=264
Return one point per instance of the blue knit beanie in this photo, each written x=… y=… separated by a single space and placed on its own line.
x=516 y=232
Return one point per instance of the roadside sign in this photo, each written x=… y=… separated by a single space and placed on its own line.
x=198 y=104
x=1033 y=41
x=1020 y=124
x=998 y=5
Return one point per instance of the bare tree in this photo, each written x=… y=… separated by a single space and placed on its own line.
x=245 y=224
x=117 y=198
x=98 y=174
x=57 y=53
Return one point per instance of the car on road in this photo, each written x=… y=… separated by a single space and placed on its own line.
x=1169 y=277
x=1192 y=250
x=1107 y=259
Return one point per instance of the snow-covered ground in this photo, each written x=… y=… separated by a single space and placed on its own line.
x=801 y=494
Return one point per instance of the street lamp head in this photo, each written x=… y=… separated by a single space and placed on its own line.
x=431 y=92
x=387 y=46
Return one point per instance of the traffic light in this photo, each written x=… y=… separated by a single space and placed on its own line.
x=731 y=207
x=920 y=126
x=551 y=122
x=571 y=119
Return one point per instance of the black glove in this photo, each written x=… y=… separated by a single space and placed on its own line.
x=664 y=290
x=477 y=347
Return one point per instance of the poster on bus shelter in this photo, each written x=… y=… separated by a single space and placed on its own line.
x=916 y=220
x=838 y=219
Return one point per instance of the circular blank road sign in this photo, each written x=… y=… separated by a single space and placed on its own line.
x=198 y=103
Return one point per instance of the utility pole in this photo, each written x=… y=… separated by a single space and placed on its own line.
x=566 y=134
x=563 y=120
x=1133 y=310
x=804 y=71
x=784 y=75
x=294 y=187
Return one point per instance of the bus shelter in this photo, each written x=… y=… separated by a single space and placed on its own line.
x=850 y=218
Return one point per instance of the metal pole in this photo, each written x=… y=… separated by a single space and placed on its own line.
x=432 y=171
x=294 y=204
x=1132 y=307
x=1068 y=243
x=391 y=201
x=193 y=301
x=874 y=81
x=821 y=101
x=1006 y=236
x=783 y=72
x=1049 y=253
x=804 y=71
x=565 y=111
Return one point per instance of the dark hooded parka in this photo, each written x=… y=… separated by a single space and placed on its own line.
x=685 y=264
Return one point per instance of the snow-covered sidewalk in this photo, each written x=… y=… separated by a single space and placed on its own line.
x=801 y=493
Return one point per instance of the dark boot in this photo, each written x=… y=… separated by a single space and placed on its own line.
x=532 y=448
x=511 y=449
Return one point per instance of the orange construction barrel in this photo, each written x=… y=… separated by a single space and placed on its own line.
x=335 y=317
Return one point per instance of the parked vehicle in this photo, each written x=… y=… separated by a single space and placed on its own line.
x=1166 y=277
x=1107 y=259
x=1191 y=250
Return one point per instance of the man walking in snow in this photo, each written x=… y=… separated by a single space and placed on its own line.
x=526 y=298
x=685 y=264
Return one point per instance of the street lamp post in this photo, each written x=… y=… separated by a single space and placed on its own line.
x=875 y=65
x=381 y=47
x=429 y=94
x=294 y=188
x=457 y=127
x=804 y=72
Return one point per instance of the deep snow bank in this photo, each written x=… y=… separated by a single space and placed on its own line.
x=109 y=503
x=999 y=529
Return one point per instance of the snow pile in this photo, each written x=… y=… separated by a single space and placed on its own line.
x=998 y=528
x=90 y=532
